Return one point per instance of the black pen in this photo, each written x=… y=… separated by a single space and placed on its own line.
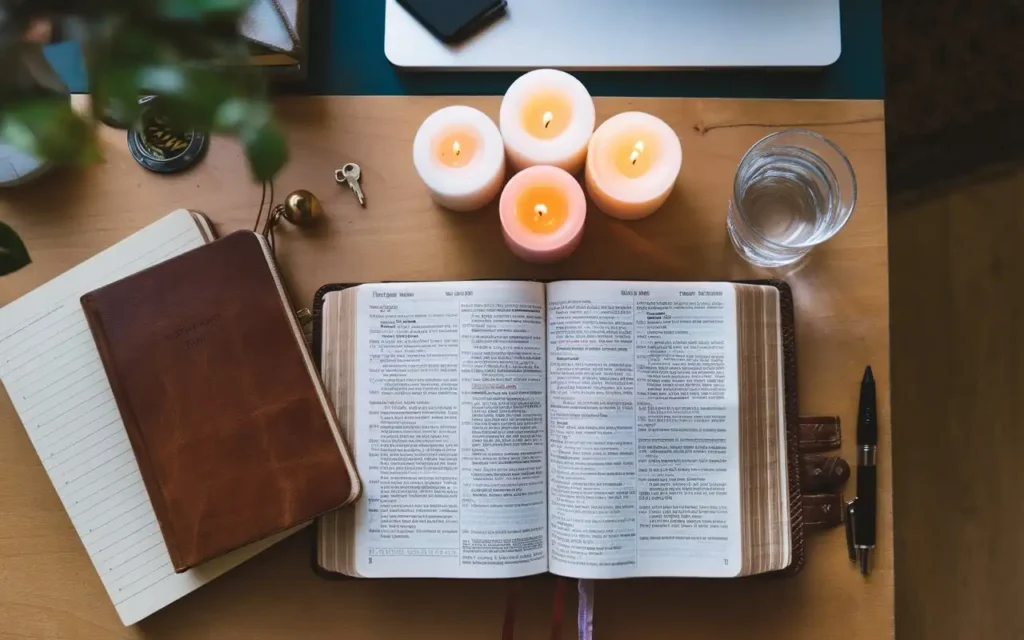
x=861 y=511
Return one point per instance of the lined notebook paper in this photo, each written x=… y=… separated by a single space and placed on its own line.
x=54 y=376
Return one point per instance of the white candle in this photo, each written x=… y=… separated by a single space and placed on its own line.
x=632 y=165
x=459 y=155
x=547 y=117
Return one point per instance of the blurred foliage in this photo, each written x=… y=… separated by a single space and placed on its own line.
x=188 y=52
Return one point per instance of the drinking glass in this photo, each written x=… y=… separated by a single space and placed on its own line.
x=793 y=191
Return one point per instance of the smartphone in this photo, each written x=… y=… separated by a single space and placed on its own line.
x=452 y=21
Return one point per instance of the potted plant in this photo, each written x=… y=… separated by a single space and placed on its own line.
x=187 y=52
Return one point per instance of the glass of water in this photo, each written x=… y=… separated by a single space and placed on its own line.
x=793 y=190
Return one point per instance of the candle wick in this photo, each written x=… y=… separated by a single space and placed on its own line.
x=548 y=118
x=638 y=148
x=456 y=148
x=540 y=210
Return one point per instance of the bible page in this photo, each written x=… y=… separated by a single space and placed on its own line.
x=643 y=430
x=450 y=430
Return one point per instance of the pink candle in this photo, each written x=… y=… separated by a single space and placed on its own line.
x=542 y=213
x=632 y=165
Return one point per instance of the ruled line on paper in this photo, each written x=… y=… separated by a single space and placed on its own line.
x=50 y=315
x=75 y=446
x=35 y=357
x=94 y=377
x=125 y=564
x=110 y=543
x=160 y=577
x=96 y=527
x=140 y=551
x=136 y=483
x=105 y=462
x=128 y=474
x=99 y=539
x=101 y=412
x=116 y=448
x=30 y=378
x=145 y=560
x=143 y=550
x=103 y=387
x=78 y=363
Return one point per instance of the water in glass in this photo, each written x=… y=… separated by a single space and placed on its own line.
x=793 y=190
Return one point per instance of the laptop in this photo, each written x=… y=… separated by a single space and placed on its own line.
x=629 y=34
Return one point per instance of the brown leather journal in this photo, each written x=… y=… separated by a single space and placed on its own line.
x=226 y=414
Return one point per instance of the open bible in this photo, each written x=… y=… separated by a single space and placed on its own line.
x=584 y=428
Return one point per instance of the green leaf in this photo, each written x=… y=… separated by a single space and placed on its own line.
x=236 y=114
x=264 y=141
x=267 y=149
x=115 y=97
x=49 y=128
x=13 y=254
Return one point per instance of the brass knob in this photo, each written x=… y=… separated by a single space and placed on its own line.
x=302 y=208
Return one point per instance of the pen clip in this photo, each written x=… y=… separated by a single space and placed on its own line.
x=851 y=529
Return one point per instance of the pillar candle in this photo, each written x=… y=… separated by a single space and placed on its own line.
x=632 y=165
x=459 y=155
x=547 y=117
x=542 y=212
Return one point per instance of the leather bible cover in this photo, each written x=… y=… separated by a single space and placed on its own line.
x=788 y=318
x=223 y=406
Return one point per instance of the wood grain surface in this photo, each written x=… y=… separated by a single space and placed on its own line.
x=958 y=379
x=48 y=588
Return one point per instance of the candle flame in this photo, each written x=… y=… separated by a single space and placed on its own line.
x=540 y=210
x=548 y=119
x=638 y=150
x=456 y=148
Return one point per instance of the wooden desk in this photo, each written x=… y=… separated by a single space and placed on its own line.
x=48 y=588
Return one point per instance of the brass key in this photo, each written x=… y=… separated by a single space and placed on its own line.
x=349 y=175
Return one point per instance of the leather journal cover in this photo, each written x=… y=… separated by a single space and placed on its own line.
x=224 y=409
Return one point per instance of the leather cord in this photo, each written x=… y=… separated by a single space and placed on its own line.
x=274 y=213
